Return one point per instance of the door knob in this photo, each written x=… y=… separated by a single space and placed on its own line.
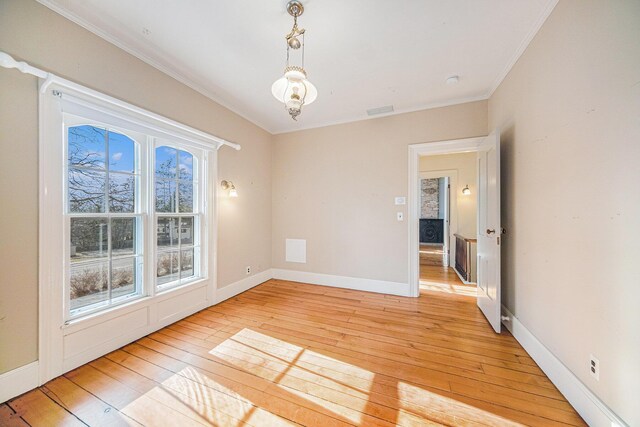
x=490 y=231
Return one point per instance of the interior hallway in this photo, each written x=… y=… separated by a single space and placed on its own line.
x=286 y=353
x=431 y=254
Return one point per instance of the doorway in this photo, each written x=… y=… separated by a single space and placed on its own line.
x=455 y=208
x=486 y=153
x=435 y=220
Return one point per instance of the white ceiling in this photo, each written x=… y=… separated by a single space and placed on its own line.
x=360 y=54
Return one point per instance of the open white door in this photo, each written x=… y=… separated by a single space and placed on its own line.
x=446 y=239
x=489 y=229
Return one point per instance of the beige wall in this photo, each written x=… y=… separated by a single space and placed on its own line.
x=570 y=117
x=33 y=33
x=465 y=165
x=335 y=187
x=570 y=120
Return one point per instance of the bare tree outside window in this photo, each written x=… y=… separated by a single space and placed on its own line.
x=102 y=181
x=175 y=232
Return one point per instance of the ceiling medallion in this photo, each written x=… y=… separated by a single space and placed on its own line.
x=293 y=89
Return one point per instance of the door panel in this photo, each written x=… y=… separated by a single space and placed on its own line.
x=446 y=235
x=489 y=229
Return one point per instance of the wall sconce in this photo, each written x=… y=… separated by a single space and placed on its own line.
x=228 y=185
x=466 y=191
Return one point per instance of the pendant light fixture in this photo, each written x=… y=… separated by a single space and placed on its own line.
x=293 y=89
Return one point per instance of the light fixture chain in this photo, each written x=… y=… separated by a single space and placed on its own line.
x=287 y=56
x=294 y=90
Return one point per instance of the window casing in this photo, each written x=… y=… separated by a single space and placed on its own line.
x=70 y=337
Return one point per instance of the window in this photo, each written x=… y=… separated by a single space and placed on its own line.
x=126 y=223
x=177 y=231
x=104 y=218
x=114 y=203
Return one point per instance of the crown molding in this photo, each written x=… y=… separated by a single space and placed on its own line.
x=551 y=4
x=144 y=58
x=457 y=101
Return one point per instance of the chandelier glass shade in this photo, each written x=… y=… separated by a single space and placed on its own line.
x=293 y=89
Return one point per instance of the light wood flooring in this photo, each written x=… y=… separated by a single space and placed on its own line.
x=432 y=254
x=288 y=353
x=444 y=280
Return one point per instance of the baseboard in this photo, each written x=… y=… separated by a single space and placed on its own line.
x=18 y=381
x=356 y=283
x=588 y=405
x=462 y=279
x=240 y=286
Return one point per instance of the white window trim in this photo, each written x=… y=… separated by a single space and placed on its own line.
x=64 y=346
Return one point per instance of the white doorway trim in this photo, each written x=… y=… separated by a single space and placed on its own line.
x=449 y=240
x=415 y=151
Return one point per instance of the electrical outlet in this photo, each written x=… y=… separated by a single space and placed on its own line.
x=248 y=270
x=594 y=367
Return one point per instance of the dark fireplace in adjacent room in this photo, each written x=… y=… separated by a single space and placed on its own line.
x=431 y=230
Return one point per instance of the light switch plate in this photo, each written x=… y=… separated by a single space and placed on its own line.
x=400 y=216
x=401 y=200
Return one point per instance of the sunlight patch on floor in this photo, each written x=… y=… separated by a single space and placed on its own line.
x=196 y=397
x=189 y=411
x=301 y=373
x=449 y=288
x=223 y=395
x=286 y=350
x=431 y=251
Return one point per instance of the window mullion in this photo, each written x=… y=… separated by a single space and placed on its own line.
x=179 y=219
x=109 y=257
x=106 y=167
x=152 y=219
x=107 y=210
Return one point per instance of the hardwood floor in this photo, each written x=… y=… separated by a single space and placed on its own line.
x=445 y=280
x=288 y=353
x=431 y=254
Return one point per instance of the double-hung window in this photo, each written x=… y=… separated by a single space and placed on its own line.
x=177 y=216
x=134 y=214
x=104 y=210
x=127 y=223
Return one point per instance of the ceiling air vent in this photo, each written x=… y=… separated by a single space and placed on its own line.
x=380 y=110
